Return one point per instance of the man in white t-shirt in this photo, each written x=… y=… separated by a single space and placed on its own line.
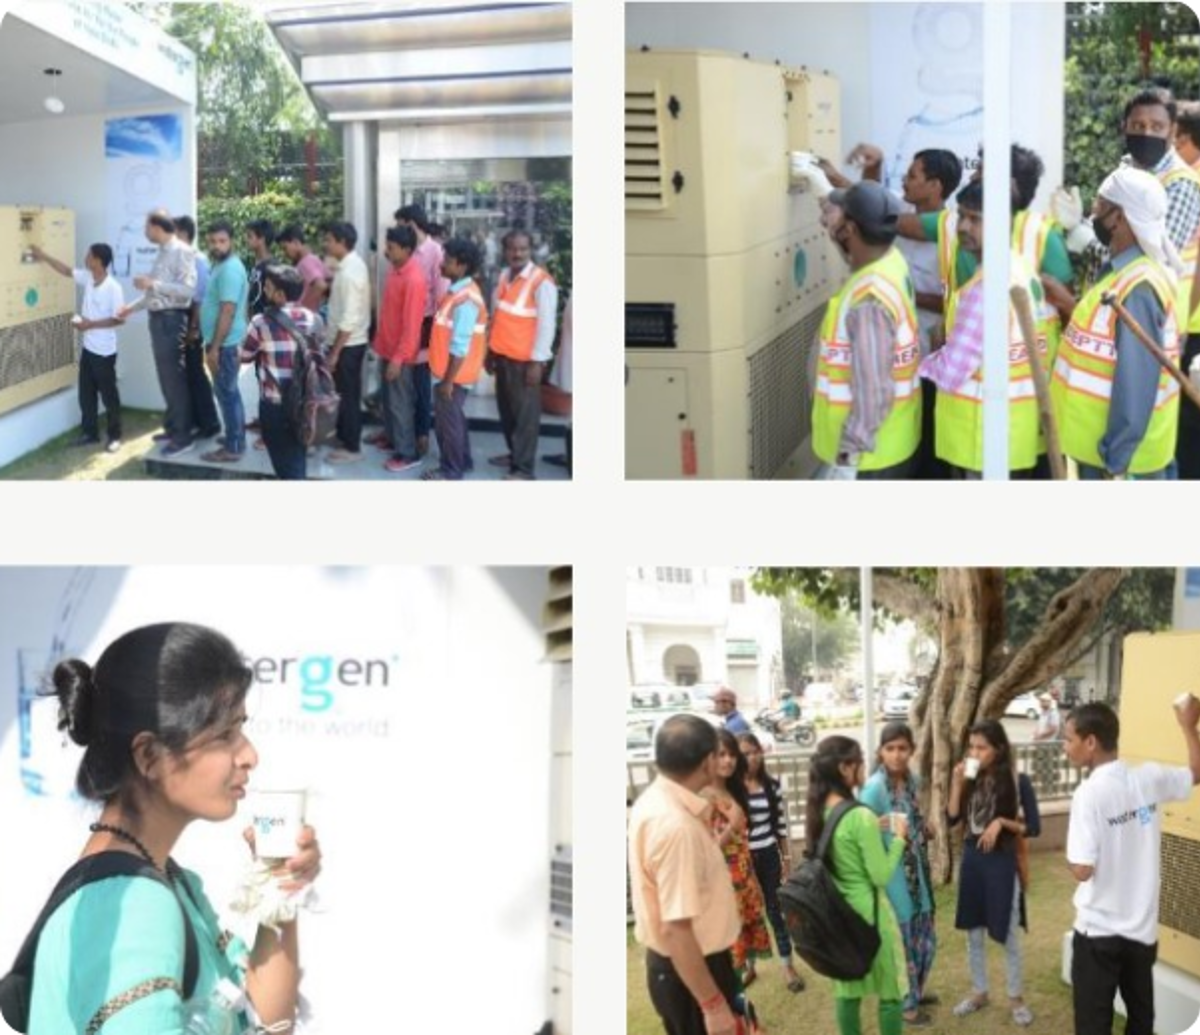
x=97 y=323
x=1049 y=724
x=1113 y=847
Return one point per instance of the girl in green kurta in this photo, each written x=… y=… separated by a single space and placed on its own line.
x=861 y=869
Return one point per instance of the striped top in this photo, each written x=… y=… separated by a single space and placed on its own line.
x=761 y=834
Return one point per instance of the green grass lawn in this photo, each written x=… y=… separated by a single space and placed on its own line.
x=811 y=1012
x=59 y=461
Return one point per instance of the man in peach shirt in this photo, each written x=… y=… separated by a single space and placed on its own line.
x=683 y=901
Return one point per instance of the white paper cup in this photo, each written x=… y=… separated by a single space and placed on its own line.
x=277 y=817
x=1182 y=700
x=972 y=768
x=896 y=820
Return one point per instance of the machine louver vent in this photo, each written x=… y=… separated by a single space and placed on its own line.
x=780 y=396
x=1180 y=879
x=561 y=880
x=645 y=176
x=557 y=619
x=35 y=352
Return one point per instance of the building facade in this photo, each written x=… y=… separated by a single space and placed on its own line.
x=703 y=626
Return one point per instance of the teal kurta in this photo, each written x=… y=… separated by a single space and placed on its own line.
x=882 y=798
x=114 y=935
x=861 y=870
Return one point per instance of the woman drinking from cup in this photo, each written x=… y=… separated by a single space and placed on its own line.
x=161 y=717
x=892 y=791
x=997 y=810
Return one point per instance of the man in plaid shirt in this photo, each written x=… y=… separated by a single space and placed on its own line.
x=273 y=348
x=1149 y=125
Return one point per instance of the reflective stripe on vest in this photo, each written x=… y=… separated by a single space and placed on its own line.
x=515 y=322
x=947 y=244
x=443 y=331
x=1087 y=360
x=1189 y=254
x=1031 y=233
x=959 y=417
x=887 y=282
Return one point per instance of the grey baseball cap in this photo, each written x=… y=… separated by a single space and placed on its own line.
x=871 y=206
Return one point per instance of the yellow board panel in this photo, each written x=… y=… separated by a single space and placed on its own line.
x=31 y=291
x=1157 y=668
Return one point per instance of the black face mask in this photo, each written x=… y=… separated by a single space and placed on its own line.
x=1146 y=151
x=1104 y=232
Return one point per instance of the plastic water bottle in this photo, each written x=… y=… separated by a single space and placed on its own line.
x=217 y=1014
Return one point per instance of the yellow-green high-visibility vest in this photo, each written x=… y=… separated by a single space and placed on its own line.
x=887 y=282
x=959 y=418
x=1188 y=305
x=1031 y=231
x=1087 y=362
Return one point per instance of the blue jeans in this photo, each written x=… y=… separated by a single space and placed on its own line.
x=423 y=417
x=1088 y=473
x=287 y=453
x=977 y=938
x=230 y=399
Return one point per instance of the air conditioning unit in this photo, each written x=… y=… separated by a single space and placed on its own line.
x=37 y=342
x=1156 y=669
x=558 y=628
x=727 y=268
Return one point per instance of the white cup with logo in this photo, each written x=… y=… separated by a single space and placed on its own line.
x=971 y=769
x=277 y=817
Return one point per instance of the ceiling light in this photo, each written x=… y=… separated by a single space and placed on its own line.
x=53 y=103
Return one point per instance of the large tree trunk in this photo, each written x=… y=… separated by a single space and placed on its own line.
x=976 y=677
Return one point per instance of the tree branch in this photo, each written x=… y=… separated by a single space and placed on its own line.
x=1069 y=616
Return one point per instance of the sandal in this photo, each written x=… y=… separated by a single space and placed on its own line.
x=1022 y=1015
x=919 y=1020
x=795 y=983
x=969 y=1006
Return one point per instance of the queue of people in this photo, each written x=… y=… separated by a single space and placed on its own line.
x=700 y=887
x=432 y=332
x=900 y=360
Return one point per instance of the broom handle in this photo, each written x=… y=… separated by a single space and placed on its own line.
x=1154 y=349
x=1021 y=303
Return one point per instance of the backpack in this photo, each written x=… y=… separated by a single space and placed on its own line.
x=16 y=987
x=310 y=398
x=827 y=932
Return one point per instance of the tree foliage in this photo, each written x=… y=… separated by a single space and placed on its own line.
x=250 y=102
x=1114 y=49
x=836 y=637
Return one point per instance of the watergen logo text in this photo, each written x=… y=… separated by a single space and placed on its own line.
x=321 y=676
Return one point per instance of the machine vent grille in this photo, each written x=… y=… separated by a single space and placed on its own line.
x=30 y=350
x=781 y=395
x=1180 y=879
x=556 y=620
x=645 y=178
x=561 y=880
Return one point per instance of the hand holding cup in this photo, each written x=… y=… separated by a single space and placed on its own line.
x=1187 y=710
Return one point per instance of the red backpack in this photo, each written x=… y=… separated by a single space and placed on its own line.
x=310 y=398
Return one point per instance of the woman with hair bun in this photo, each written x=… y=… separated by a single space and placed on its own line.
x=161 y=717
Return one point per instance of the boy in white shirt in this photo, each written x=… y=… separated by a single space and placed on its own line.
x=102 y=298
x=1114 y=844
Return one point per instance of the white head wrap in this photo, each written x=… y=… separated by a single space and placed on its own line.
x=1144 y=201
